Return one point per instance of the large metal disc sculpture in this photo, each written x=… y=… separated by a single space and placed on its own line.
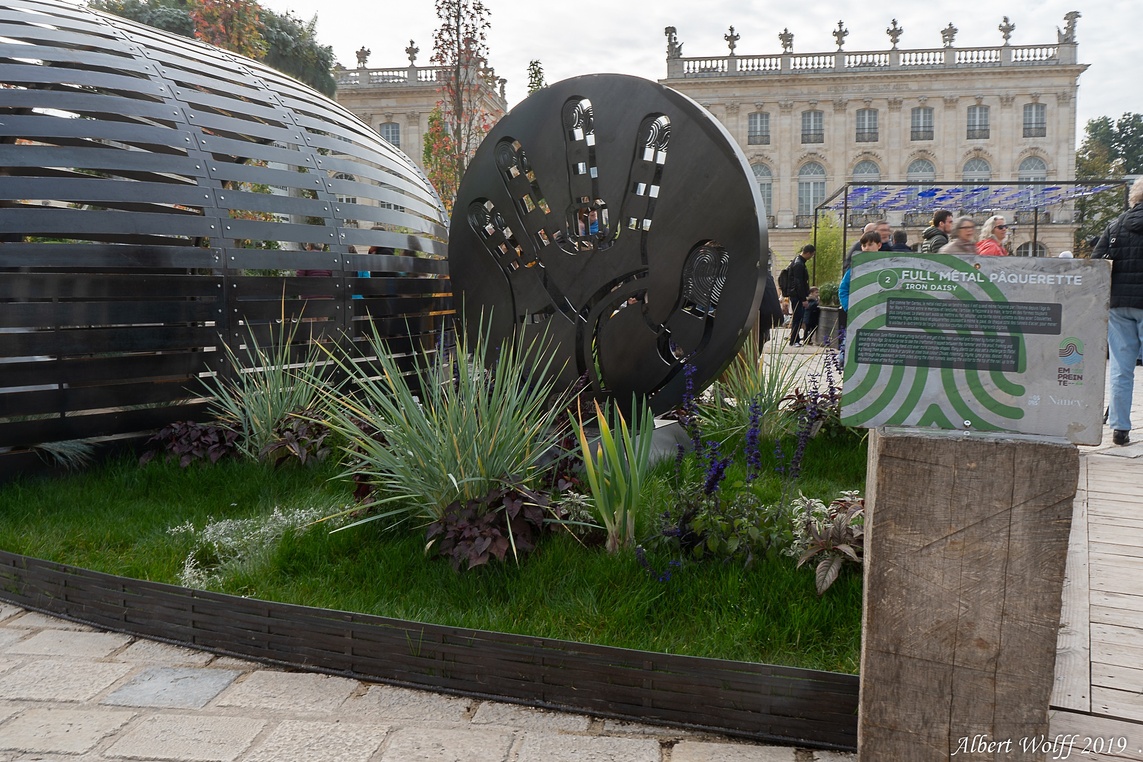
x=618 y=220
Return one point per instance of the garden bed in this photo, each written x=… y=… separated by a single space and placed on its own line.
x=758 y=701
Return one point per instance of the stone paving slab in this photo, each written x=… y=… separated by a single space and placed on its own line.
x=834 y=756
x=161 y=653
x=60 y=680
x=319 y=742
x=34 y=620
x=386 y=702
x=70 y=644
x=187 y=738
x=60 y=731
x=546 y=747
x=701 y=751
x=7 y=610
x=8 y=637
x=173 y=688
x=429 y=743
x=289 y=691
x=528 y=718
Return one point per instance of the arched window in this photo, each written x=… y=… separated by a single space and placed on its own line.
x=391 y=131
x=811 y=187
x=977 y=171
x=765 y=180
x=921 y=171
x=1031 y=249
x=866 y=172
x=1032 y=169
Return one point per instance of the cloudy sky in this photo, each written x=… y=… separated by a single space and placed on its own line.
x=571 y=38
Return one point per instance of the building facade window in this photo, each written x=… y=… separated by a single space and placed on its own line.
x=977 y=171
x=1033 y=169
x=921 y=122
x=758 y=129
x=344 y=199
x=813 y=127
x=867 y=125
x=765 y=180
x=866 y=173
x=978 y=123
x=1032 y=249
x=923 y=173
x=811 y=187
x=1035 y=120
x=391 y=131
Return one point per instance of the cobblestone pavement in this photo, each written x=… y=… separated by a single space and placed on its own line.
x=68 y=692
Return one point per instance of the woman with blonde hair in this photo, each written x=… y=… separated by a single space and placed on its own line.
x=992 y=235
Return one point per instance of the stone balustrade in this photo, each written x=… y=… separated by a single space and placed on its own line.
x=879 y=60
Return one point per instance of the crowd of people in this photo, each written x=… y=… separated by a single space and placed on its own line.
x=945 y=235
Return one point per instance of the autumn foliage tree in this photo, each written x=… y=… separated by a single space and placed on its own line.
x=235 y=25
x=460 y=48
x=243 y=26
x=439 y=158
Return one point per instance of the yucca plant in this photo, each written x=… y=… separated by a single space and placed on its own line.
x=452 y=430
x=616 y=466
x=268 y=384
x=756 y=378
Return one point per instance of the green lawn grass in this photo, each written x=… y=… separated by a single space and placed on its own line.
x=115 y=518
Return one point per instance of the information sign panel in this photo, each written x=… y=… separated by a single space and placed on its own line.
x=978 y=344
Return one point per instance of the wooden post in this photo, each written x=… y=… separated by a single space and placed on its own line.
x=966 y=542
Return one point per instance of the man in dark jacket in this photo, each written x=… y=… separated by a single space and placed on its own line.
x=799 y=291
x=937 y=234
x=1122 y=243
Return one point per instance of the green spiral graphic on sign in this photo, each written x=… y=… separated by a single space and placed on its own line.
x=959 y=397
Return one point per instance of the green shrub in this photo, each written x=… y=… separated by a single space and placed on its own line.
x=760 y=378
x=616 y=470
x=265 y=388
x=451 y=431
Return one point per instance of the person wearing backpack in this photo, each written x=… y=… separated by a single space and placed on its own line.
x=798 y=290
x=1122 y=243
x=937 y=234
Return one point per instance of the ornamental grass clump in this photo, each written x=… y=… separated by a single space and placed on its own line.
x=265 y=386
x=748 y=397
x=616 y=466
x=452 y=430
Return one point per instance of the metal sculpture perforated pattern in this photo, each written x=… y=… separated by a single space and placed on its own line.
x=618 y=219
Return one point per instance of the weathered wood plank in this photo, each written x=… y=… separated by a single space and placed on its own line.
x=966 y=543
x=1110 y=633
x=1117 y=676
x=1132 y=618
x=1072 y=686
x=1067 y=724
x=1116 y=600
x=1113 y=652
x=1113 y=579
x=1127 y=705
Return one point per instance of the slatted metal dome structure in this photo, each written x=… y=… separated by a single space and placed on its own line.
x=159 y=196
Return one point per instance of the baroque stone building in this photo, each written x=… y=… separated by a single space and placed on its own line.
x=811 y=122
x=397 y=101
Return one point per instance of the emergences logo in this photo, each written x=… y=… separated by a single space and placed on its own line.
x=1070 y=370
